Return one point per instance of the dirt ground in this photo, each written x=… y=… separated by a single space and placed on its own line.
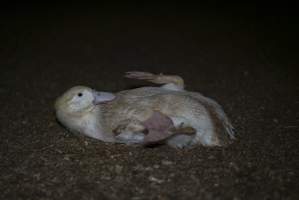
x=245 y=60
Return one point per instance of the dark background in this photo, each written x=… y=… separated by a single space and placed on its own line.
x=243 y=55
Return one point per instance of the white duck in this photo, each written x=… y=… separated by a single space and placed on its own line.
x=146 y=115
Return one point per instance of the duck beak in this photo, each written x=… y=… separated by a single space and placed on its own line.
x=102 y=97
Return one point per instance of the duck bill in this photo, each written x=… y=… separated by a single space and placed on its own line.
x=102 y=97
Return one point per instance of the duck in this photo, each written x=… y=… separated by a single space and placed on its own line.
x=165 y=114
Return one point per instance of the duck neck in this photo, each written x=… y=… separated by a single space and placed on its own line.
x=94 y=126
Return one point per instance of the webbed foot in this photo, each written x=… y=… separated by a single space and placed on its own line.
x=171 y=81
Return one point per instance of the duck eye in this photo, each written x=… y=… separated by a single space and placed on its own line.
x=80 y=94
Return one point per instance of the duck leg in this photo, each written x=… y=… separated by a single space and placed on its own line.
x=173 y=82
x=130 y=132
x=155 y=130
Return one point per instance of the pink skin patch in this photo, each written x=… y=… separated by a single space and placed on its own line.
x=159 y=128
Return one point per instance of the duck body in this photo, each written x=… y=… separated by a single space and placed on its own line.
x=127 y=116
x=184 y=108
